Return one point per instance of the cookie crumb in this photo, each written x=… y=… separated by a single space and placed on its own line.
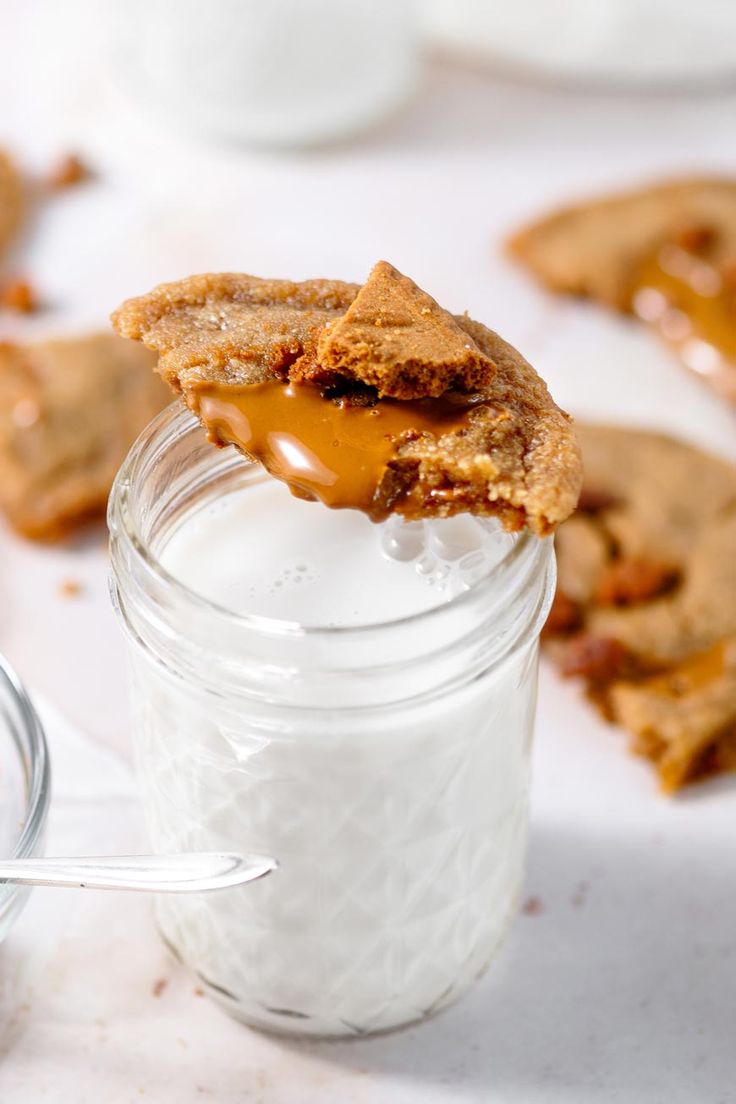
x=69 y=588
x=158 y=986
x=67 y=172
x=533 y=906
x=20 y=296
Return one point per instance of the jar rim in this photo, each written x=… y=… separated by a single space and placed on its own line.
x=175 y=421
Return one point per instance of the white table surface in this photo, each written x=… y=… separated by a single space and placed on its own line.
x=623 y=988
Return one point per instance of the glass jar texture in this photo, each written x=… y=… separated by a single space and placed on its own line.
x=385 y=766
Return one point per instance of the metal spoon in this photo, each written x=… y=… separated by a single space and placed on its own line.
x=196 y=872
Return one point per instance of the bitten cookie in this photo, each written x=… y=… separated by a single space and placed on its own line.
x=371 y=398
x=646 y=603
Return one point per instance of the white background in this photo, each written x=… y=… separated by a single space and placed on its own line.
x=624 y=987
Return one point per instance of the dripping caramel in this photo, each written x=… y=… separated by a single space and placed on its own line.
x=322 y=449
x=692 y=305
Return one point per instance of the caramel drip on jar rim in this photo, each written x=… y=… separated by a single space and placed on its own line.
x=691 y=305
x=335 y=452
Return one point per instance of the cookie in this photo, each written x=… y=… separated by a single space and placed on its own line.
x=593 y=248
x=666 y=253
x=231 y=328
x=11 y=200
x=684 y=719
x=396 y=338
x=245 y=354
x=69 y=412
x=646 y=603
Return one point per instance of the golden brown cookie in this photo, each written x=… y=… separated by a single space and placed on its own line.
x=684 y=719
x=244 y=353
x=594 y=247
x=69 y=412
x=396 y=338
x=11 y=200
x=646 y=606
x=666 y=253
x=231 y=328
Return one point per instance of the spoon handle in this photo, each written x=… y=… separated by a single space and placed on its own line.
x=197 y=872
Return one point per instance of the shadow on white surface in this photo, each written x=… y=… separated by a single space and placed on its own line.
x=617 y=990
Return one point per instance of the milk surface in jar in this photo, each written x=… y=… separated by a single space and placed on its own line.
x=397 y=813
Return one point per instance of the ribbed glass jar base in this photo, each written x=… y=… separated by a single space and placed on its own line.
x=400 y=841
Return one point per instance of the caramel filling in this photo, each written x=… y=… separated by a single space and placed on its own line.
x=332 y=451
x=693 y=674
x=693 y=308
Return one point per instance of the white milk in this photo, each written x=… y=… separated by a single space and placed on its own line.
x=262 y=551
x=278 y=556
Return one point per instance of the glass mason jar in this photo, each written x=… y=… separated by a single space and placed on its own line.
x=385 y=767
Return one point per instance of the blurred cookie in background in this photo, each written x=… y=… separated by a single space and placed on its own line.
x=69 y=411
x=282 y=74
x=665 y=253
x=645 y=610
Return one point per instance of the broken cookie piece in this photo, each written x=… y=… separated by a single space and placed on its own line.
x=246 y=355
x=684 y=719
x=666 y=253
x=646 y=604
x=396 y=338
x=69 y=412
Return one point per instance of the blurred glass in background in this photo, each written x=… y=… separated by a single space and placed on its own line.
x=275 y=72
x=297 y=73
